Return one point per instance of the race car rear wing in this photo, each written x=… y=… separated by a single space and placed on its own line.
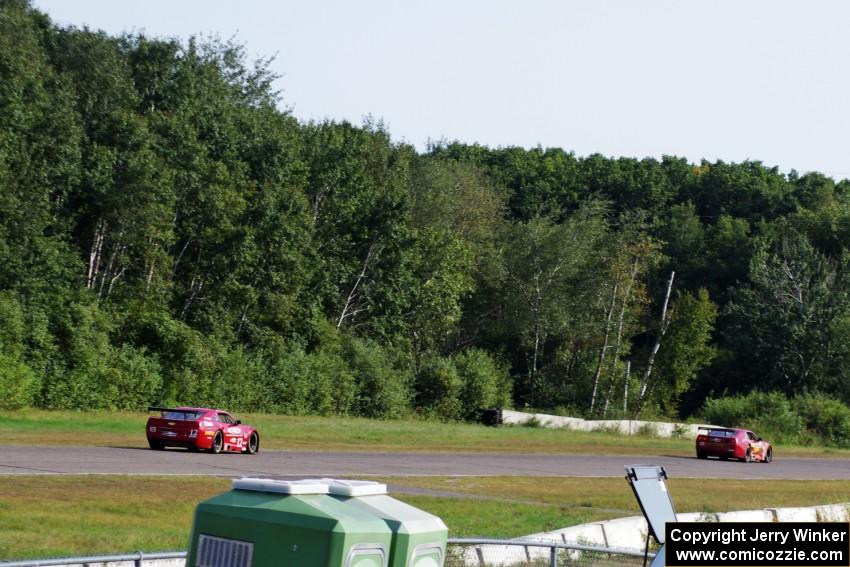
x=177 y=413
x=174 y=410
x=718 y=428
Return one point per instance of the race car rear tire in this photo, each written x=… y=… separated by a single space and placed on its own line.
x=253 y=444
x=156 y=445
x=701 y=455
x=218 y=443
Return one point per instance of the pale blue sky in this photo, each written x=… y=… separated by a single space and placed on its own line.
x=731 y=80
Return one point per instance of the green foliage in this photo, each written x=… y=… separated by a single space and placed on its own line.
x=134 y=378
x=460 y=386
x=786 y=315
x=827 y=418
x=770 y=414
x=687 y=348
x=169 y=234
x=484 y=384
x=802 y=419
x=438 y=388
x=17 y=383
x=383 y=390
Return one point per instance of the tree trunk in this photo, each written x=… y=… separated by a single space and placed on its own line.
x=180 y=257
x=347 y=310
x=95 y=253
x=195 y=287
x=603 y=350
x=665 y=322
x=243 y=318
x=620 y=321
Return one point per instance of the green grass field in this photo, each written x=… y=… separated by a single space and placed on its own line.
x=39 y=427
x=43 y=516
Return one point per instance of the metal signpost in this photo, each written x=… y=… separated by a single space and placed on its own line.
x=647 y=482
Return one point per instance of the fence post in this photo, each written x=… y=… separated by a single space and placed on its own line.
x=553 y=556
x=138 y=560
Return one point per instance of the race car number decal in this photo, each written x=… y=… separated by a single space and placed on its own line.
x=234 y=442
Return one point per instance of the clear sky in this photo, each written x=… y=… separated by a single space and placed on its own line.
x=730 y=80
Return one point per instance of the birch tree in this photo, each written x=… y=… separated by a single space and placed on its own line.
x=545 y=266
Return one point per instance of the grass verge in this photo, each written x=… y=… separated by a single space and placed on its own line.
x=43 y=516
x=40 y=427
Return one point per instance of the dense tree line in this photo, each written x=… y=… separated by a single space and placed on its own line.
x=169 y=234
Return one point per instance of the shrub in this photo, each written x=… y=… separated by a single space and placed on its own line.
x=133 y=379
x=83 y=382
x=17 y=380
x=829 y=419
x=438 y=388
x=646 y=430
x=483 y=383
x=769 y=414
x=288 y=382
x=532 y=422
x=17 y=383
x=330 y=384
x=240 y=379
x=382 y=389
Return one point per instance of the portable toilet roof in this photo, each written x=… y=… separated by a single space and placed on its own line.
x=419 y=538
x=267 y=523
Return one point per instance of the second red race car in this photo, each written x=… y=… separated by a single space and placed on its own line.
x=200 y=429
x=729 y=443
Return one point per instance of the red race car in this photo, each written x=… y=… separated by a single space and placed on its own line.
x=200 y=429
x=732 y=443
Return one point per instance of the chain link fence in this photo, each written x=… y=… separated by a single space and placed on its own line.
x=461 y=552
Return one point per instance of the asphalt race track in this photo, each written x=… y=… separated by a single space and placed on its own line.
x=126 y=460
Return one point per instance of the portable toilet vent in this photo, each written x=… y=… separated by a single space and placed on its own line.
x=419 y=538
x=273 y=523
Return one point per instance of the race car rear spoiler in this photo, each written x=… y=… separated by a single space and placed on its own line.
x=154 y=408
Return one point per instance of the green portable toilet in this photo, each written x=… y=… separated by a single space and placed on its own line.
x=419 y=538
x=276 y=523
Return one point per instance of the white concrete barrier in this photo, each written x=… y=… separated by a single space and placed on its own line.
x=795 y=514
x=747 y=516
x=623 y=426
x=697 y=517
x=626 y=533
x=498 y=555
x=630 y=532
x=833 y=513
x=585 y=534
